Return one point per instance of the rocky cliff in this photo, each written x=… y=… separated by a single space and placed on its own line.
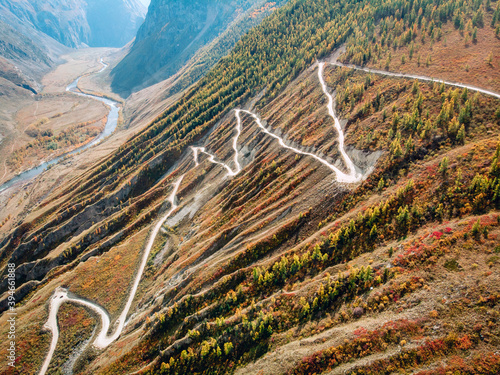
x=171 y=34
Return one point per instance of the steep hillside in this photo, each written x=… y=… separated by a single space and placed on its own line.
x=300 y=210
x=76 y=23
x=144 y=105
x=114 y=23
x=28 y=53
x=9 y=72
x=175 y=30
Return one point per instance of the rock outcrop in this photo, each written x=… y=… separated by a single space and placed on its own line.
x=78 y=23
x=174 y=30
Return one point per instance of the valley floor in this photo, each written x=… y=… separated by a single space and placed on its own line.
x=54 y=111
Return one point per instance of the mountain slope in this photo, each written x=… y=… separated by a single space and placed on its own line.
x=175 y=30
x=114 y=23
x=266 y=264
x=32 y=53
x=142 y=106
x=75 y=23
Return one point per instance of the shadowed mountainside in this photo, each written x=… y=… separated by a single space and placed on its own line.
x=76 y=23
x=175 y=30
x=29 y=53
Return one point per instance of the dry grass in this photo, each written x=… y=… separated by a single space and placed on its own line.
x=452 y=59
x=107 y=279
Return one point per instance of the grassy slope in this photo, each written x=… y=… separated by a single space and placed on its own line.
x=430 y=249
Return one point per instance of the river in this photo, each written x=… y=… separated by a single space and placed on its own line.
x=108 y=130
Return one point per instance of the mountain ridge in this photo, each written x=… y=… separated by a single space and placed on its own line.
x=79 y=23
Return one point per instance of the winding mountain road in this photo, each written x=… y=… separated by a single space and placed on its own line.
x=103 y=340
x=62 y=295
x=419 y=77
x=352 y=177
x=211 y=158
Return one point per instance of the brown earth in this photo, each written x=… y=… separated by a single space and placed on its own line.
x=451 y=58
